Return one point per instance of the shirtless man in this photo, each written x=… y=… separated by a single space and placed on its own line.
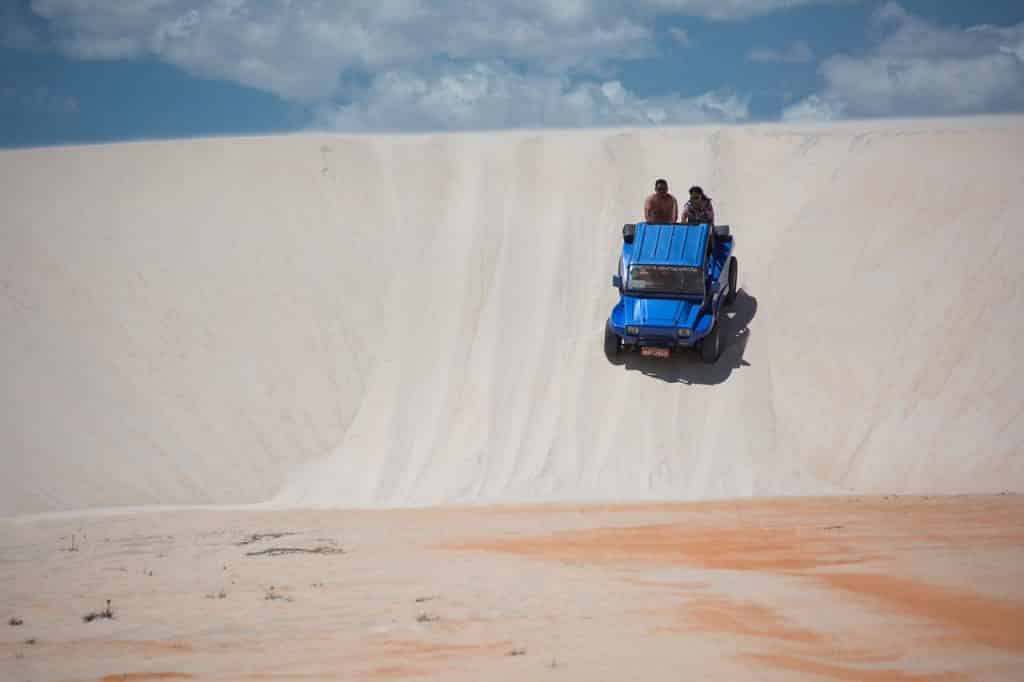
x=661 y=207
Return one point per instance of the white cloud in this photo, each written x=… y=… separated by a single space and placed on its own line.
x=920 y=68
x=485 y=96
x=416 y=64
x=794 y=53
x=721 y=10
x=300 y=50
x=814 y=108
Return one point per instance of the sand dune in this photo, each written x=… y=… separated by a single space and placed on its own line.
x=333 y=320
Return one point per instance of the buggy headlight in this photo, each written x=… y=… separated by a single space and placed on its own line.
x=683 y=333
x=633 y=331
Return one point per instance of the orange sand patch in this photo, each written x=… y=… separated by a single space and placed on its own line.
x=749 y=548
x=399 y=671
x=779 y=535
x=975 y=618
x=990 y=511
x=715 y=613
x=804 y=540
x=412 y=658
x=420 y=648
x=721 y=615
x=839 y=672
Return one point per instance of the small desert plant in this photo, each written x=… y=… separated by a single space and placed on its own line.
x=271 y=595
x=105 y=613
x=13 y=622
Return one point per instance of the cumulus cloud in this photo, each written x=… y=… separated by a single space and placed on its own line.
x=794 y=53
x=415 y=64
x=920 y=68
x=485 y=95
x=814 y=109
x=299 y=50
x=719 y=10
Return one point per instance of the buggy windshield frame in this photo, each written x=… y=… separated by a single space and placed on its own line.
x=678 y=280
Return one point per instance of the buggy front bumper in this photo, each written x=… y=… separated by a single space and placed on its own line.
x=663 y=337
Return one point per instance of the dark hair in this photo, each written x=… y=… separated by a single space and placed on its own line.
x=661 y=181
x=697 y=189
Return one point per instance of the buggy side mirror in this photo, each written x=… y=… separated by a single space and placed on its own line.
x=628 y=232
x=617 y=281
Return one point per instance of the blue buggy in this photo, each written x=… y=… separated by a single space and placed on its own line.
x=673 y=281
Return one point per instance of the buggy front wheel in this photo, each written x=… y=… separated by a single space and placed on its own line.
x=711 y=345
x=612 y=344
x=734 y=265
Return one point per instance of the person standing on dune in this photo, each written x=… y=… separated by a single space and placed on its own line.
x=661 y=207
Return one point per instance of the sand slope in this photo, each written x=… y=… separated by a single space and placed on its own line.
x=321 y=319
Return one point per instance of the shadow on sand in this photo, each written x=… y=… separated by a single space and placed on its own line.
x=686 y=367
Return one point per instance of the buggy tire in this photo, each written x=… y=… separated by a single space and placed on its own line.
x=734 y=265
x=612 y=344
x=711 y=345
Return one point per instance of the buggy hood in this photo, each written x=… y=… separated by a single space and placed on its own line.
x=660 y=312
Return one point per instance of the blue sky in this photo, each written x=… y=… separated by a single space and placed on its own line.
x=83 y=71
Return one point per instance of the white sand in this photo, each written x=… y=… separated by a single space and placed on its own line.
x=349 y=321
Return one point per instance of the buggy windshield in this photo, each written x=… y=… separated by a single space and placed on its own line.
x=666 y=279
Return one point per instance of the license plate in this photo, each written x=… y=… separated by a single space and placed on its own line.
x=653 y=352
